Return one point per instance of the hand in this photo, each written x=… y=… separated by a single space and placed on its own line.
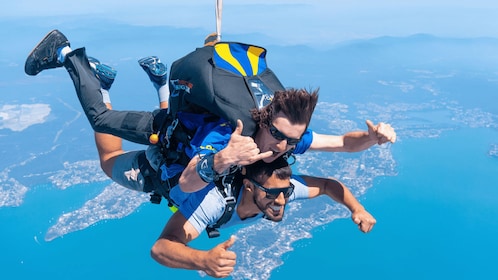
x=381 y=132
x=242 y=150
x=220 y=261
x=364 y=220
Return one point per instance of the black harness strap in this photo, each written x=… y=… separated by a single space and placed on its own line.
x=233 y=184
x=230 y=202
x=153 y=183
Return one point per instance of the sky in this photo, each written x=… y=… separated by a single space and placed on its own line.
x=291 y=21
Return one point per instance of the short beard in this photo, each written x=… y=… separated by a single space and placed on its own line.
x=263 y=209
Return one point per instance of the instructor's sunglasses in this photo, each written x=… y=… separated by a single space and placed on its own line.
x=280 y=136
x=274 y=193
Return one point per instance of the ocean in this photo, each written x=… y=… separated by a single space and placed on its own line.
x=435 y=220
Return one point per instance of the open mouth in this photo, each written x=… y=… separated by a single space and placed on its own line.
x=275 y=208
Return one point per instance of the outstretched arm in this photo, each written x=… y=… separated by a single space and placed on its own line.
x=355 y=141
x=171 y=250
x=340 y=193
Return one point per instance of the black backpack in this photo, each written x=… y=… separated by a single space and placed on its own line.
x=228 y=80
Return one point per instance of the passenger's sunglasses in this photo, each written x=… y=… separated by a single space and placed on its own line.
x=274 y=193
x=280 y=136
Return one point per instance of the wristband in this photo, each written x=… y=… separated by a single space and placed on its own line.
x=205 y=168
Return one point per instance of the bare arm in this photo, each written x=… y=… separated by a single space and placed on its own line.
x=171 y=250
x=340 y=193
x=354 y=141
x=241 y=150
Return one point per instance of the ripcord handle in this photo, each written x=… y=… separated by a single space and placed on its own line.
x=218 y=11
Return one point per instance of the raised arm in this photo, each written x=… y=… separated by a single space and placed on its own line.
x=354 y=141
x=340 y=193
x=171 y=250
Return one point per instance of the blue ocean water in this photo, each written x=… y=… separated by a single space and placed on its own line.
x=435 y=219
x=111 y=249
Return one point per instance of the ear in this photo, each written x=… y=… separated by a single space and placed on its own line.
x=247 y=184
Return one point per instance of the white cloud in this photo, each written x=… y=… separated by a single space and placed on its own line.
x=20 y=117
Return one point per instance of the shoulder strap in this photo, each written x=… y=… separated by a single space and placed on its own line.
x=229 y=186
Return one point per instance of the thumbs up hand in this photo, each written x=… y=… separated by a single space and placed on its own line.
x=381 y=132
x=219 y=261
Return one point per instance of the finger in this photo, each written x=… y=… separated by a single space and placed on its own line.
x=261 y=156
x=227 y=244
x=370 y=125
x=383 y=140
x=368 y=227
x=239 y=128
x=364 y=227
x=257 y=157
x=225 y=272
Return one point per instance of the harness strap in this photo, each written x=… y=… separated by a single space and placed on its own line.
x=152 y=181
x=229 y=186
x=230 y=203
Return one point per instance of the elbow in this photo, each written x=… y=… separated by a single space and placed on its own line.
x=107 y=170
x=183 y=184
x=155 y=252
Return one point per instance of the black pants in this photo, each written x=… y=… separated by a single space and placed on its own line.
x=134 y=126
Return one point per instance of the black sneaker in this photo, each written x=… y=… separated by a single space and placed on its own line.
x=44 y=55
x=105 y=73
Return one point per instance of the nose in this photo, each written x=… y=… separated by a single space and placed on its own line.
x=280 y=200
x=282 y=146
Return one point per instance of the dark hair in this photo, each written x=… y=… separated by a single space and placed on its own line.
x=297 y=104
x=260 y=171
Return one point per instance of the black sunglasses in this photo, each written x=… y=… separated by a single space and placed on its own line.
x=280 y=136
x=274 y=193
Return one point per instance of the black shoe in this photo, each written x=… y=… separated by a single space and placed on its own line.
x=44 y=55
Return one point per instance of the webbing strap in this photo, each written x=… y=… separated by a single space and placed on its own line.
x=229 y=186
x=219 y=9
x=230 y=203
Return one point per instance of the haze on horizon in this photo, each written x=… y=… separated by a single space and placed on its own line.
x=309 y=22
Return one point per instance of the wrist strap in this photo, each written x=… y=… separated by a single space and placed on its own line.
x=205 y=168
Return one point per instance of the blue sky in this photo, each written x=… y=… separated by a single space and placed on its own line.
x=291 y=21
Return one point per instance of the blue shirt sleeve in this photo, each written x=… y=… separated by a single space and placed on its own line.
x=305 y=142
